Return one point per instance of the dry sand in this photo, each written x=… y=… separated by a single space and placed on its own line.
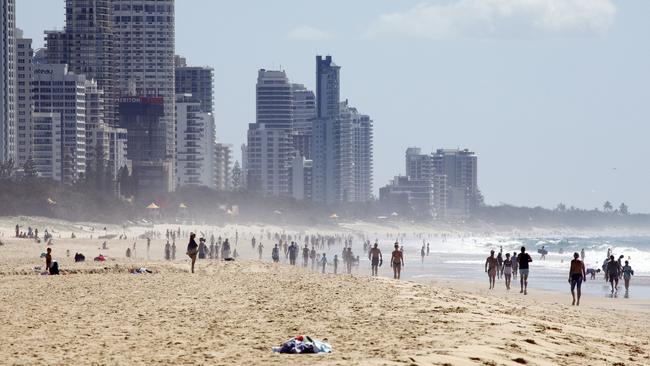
x=233 y=313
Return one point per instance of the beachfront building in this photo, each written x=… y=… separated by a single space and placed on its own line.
x=223 y=167
x=47 y=145
x=269 y=142
x=194 y=143
x=24 y=75
x=197 y=81
x=460 y=170
x=304 y=109
x=57 y=90
x=87 y=46
x=152 y=169
x=8 y=81
x=144 y=40
x=405 y=194
x=362 y=152
x=331 y=139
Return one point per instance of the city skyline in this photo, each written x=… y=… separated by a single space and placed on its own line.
x=534 y=120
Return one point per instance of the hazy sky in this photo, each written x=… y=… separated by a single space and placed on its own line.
x=553 y=95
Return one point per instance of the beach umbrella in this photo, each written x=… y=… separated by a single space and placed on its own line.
x=182 y=205
x=334 y=216
x=394 y=214
x=51 y=201
x=153 y=206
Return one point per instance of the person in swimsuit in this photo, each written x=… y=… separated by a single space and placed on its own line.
x=491 y=265
x=613 y=270
x=507 y=270
x=628 y=272
x=275 y=254
x=397 y=262
x=375 y=258
x=524 y=259
x=422 y=252
x=260 y=249
x=192 y=249
x=577 y=274
x=515 y=265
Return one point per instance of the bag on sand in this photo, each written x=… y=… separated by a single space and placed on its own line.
x=303 y=344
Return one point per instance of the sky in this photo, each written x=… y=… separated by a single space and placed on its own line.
x=552 y=95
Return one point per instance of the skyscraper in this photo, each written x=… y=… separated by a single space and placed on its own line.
x=24 y=75
x=144 y=40
x=87 y=47
x=7 y=81
x=57 y=90
x=332 y=139
x=270 y=145
x=304 y=109
x=223 y=167
x=362 y=154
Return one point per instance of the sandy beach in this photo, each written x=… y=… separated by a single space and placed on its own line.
x=234 y=312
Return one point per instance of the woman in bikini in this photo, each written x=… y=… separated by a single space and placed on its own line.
x=192 y=249
x=397 y=262
x=507 y=270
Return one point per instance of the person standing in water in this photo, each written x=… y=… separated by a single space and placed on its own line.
x=336 y=263
x=192 y=249
x=628 y=272
x=397 y=262
x=422 y=252
x=260 y=249
x=375 y=259
x=427 y=249
x=507 y=270
x=577 y=274
x=613 y=271
x=491 y=265
x=323 y=262
x=524 y=260
x=582 y=255
x=275 y=254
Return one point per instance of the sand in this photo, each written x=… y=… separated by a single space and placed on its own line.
x=233 y=313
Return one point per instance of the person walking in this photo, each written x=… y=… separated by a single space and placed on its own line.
x=628 y=272
x=577 y=274
x=397 y=262
x=192 y=249
x=491 y=265
x=524 y=260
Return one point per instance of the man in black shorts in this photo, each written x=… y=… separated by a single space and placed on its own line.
x=524 y=259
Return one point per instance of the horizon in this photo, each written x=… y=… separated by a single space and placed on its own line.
x=568 y=91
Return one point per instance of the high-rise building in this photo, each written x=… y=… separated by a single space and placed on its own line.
x=268 y=155
x=24 y=106
x=270 y=144
x=87 y=47
x=223 y=167
x=362 y=153
x=419 y=166
x=301 y=178
x=47 y=145
x=144 y=41
x=304 y=109
x=146 y=133
x=57 y=90
x=194 y=143
x=8 y=81
x=461 y=179
x=304 y=114
x=197 y=81
x=331 y=138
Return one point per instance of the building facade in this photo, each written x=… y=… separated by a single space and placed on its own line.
x=269 y=141
x=223 y=167
x=461 y=180
x=24 y=105
x=194 y=143
x=8 y=81
x=87 y=46
x=142 y=118
x=144 y=41
x=57 y=90
x=47 y=145
x=197 y=81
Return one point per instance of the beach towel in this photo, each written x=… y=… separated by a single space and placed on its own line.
x=303 y=344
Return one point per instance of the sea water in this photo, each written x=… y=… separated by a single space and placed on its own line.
x=463 y=258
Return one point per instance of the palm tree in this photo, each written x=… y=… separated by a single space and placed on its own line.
x=623 y=209
x=607 y=207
